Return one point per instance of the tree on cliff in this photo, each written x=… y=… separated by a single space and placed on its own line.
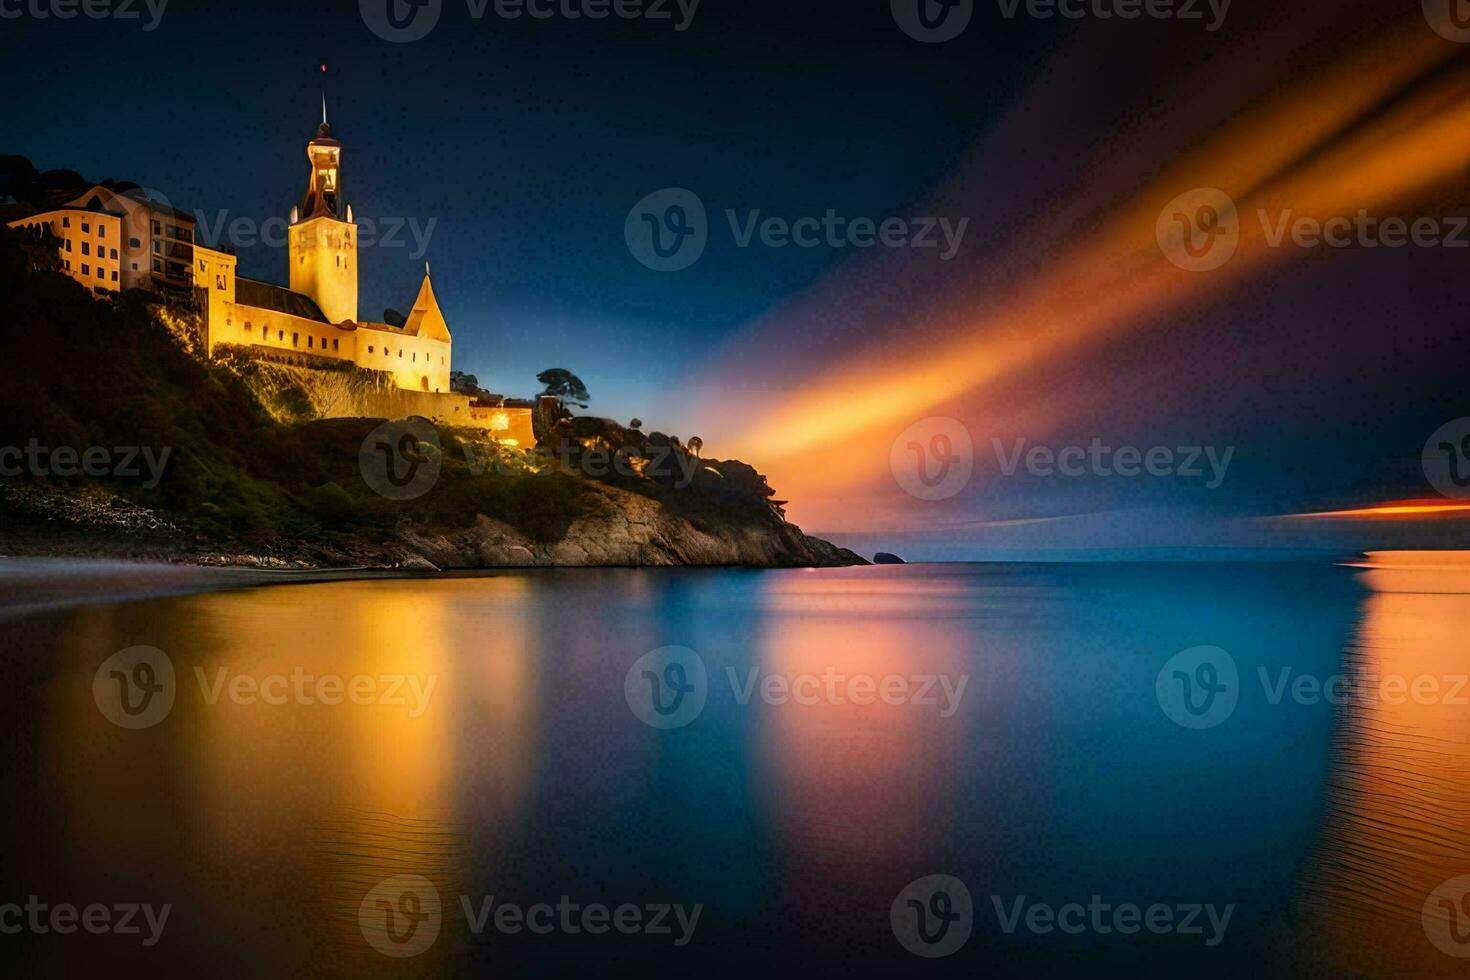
x=565 y=386
x=465 y=384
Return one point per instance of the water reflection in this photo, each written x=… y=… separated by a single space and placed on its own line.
x=510 y=765
x=1398 y=814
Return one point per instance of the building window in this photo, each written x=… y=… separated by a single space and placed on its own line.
x=295 y=339
x=135 y=267
x=86 y=270
x=157 y=266
x=101 y=272
x=65 y=222
x=114 y=275
x=134 y=243
x=370 y=348
x=68 y=244
x=281 y=336
x=335 y=344
x=113 y=256
x=86 y=228
x=86 y=249
x=309 y=340
x=101 y=231
x=400 y=352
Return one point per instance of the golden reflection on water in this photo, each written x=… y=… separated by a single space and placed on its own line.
x=1398 y=814
x=304 y=806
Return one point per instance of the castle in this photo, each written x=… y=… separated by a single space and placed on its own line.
x=111 y=241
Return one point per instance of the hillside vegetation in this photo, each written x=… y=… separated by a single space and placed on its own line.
x=240 y=478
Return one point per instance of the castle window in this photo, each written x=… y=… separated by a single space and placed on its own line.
x=295 y=339
x=335 y=346
x=247 y=326
x=400 y=352
x=370 y=348
x=281 y=336
x=415 y=357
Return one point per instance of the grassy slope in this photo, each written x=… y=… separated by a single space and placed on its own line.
x=81 y=372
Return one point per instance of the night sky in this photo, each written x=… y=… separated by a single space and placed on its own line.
x=527 y=142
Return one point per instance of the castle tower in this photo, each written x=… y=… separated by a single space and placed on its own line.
x=323 y=239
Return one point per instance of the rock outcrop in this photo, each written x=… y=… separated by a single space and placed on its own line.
x=629 y=530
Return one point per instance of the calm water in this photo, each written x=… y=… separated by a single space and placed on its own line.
x=525 y=773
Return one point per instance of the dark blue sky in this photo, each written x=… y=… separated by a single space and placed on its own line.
x=527 y=142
